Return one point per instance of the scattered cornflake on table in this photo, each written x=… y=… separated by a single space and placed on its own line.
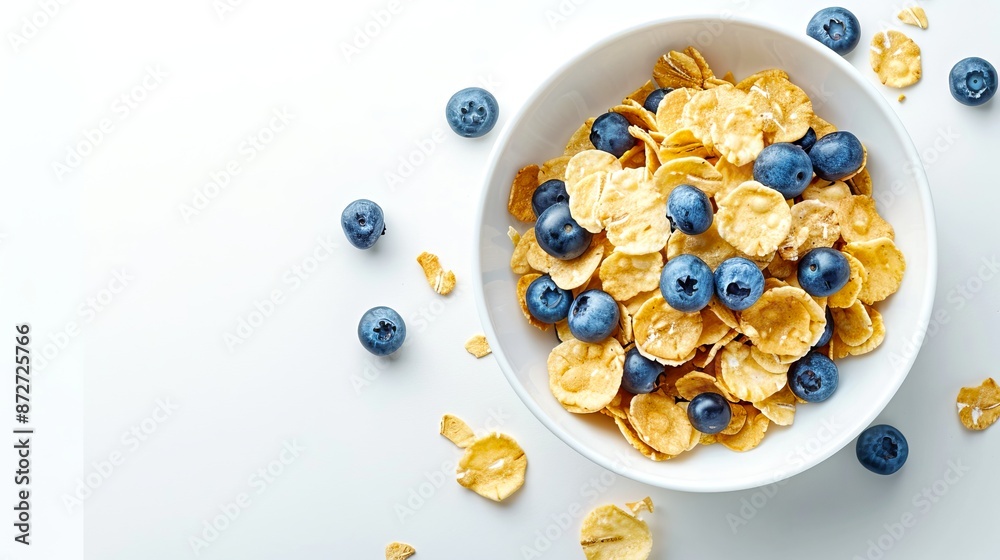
x=979 y=407
x=915 y=16
x=457 y=431
x=478 y=346
x=492 y=466
x=895 y=58
x=645 y=504
x=611 y=533
x=399 y=551
x=901 y=98
x=440 y=280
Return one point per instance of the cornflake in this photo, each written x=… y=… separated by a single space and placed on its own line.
x=611 y=533
x=979 y=407
x=895 y=58
x=399 y=551
x=440 y=280
x=478 y=346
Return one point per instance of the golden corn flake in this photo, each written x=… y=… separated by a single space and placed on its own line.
x=771 y=362
x=732 y=176
x=555 y=168
x=704 y=359
x=519 y=202
x=563 y=332
x=853 y=324
x=754 y=219
x=849 y=293
x=584 y=377
x=679 y=70
x=580 y=141
x=634 y=213
x=744 y=377
x=713 y=327
x=611 y=533
x=861 y=182
x=633 y=438
x=634 y=157
x=624 y=276
x=522 y=291
x=915 y=16
x=567 y=274
x=821 y=127
x=633 y=304
x=750 y=435
x=748 y=82
x=493 y=467
x=826 y=192
x=662 y=423
x=696 y=383
x=814 y=225
x=780 y=268
x=779 y=407
x=979 y=407
x=457 y=431
x=584 y=199
x=877 y=337
x=399 y=551
x=737 y=419
x=513 y=235
x=636 y=114
x=708 y=246
x=694 y=171
x=724 y=119
x=664 y=334
x=787 y=109
x=587 y=163
x=860 y=221
x=895 y=58
x=885 y=265
x=478 y=346
x=440 y=280
x=671 y=109
x=785 y=320
x=636 y=507
x=519 y=258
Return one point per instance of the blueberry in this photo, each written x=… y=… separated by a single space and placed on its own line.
x=814 y=377
x=823 y=272
x=738 y=283
x=610 y=134
x=472 y=112
x=652 y=102
x=785 y=168
x=882 y=449
x=547 y=302
x=558 y=234
x=973 y=81
x=547 y=194
x=642 y=375
x=836 y=28
x=807 y=141
x=827 y=332
x=686 y=283
x=709 y=413
x=363 y=223
x=593 y=316
x=689 y=210
x=837 y=155
x=381 y=331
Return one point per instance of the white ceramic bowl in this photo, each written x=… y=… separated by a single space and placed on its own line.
x=598 y=79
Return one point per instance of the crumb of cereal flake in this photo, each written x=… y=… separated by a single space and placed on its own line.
x=478 y=346
x=399 y=551
x=914 y=15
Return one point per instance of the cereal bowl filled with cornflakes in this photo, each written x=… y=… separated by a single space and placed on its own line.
x=705 y=245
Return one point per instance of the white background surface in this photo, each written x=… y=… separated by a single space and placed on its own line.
x=361 y=452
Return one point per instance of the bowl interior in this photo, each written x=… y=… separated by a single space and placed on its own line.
x=599 y=79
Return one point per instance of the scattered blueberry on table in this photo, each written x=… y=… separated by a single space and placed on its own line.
x=641 y=375
x=837 y=28
x=687 y=283
x=689 y=210
x=823 y=272
x=546 y=301
x=814 y=378
x=609 y=133
x=472 y=112
x=593 y=316
x=558 y=234
x=381 y=330
x=882 y=449
x=363 y=223
x=709 y=413
x=784 y=167
x=738 y=283
x=973 y=81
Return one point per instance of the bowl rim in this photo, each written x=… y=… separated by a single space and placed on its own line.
x=622 y=467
